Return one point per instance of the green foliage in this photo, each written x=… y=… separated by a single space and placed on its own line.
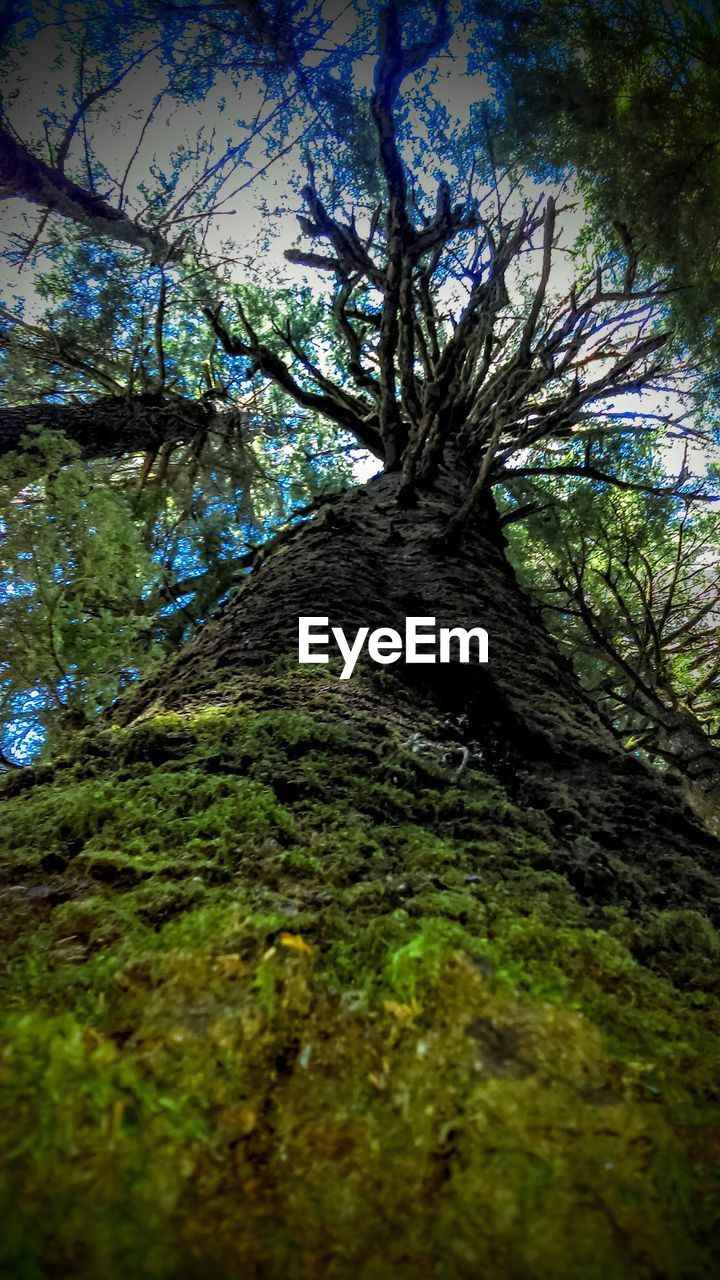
x=627 y=93
x=628 y=583
x=108 y=565
x=74 y=571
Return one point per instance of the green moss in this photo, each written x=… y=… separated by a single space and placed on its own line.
x=683 y=946
x=290 y=1000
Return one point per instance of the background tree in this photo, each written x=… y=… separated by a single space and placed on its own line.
x=629 y=586
x=627 y=94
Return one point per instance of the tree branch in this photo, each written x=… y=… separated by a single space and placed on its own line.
x=110 y=426
x=508 y=474
x=268 y=363
x=25 y=176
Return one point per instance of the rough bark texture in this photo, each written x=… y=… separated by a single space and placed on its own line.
x=685 y=746
x=619 y=832
x=294 y=987
x=108 y=427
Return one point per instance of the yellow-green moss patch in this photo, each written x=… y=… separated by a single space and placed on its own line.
x=286 y=1000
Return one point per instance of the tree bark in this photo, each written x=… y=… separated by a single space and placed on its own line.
x=617 y=831
x=323 y=955
x=108 y=427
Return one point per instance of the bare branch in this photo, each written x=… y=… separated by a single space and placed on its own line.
x=23 y=175
x=508 y=474
x=268 y=363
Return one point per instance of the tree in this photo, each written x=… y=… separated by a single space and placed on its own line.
x=426 y=950
x=627 y=94
x=629 y=588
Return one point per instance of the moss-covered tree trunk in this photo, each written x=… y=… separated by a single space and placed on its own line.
x=408 y=975
x=619 y=832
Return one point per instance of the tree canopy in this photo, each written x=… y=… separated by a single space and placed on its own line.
x=253 y=252
x=628 y=95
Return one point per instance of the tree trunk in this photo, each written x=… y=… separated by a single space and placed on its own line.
x=297 y=985
x=108 y=427
x=616 y=830
x=683 y=745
